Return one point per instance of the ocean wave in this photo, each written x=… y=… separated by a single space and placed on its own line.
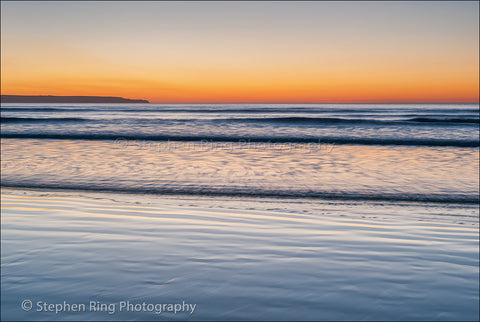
x=335 y=120
x=240 y=139
x=249 y=192
x=444 y=120
x=48 y=120
x=288 y=120
x=227 y=110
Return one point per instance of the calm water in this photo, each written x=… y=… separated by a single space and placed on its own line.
x=407 y=152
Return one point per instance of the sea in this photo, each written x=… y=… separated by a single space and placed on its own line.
x=251 y=211
x=424 y=152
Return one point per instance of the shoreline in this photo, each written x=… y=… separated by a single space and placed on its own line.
x=471 y=213
x=236 y=258
x=440 y=199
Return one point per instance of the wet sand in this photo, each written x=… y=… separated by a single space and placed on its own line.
x=235 y=258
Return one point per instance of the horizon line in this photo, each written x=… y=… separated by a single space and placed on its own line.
x=254 y=102
x=323 y=102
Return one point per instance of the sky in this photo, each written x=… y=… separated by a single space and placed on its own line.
x=243 y=51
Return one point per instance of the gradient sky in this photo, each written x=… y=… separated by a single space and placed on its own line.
x=249 y=51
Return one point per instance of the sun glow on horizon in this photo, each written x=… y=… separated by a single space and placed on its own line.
x=259 y=52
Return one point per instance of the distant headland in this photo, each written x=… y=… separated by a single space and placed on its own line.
x=66 y=99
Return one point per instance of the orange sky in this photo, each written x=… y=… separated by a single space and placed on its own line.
x=243 y=52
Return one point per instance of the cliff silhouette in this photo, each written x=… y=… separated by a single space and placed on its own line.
x=66 y=99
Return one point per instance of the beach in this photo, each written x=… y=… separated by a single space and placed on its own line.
x=240 y=212
x=240 y=161
x=236 y=258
